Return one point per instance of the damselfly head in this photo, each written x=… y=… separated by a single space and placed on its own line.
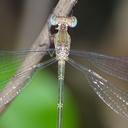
x=59 y=20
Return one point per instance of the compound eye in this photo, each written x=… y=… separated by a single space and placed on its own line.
x=52 y=20
x=73 y=22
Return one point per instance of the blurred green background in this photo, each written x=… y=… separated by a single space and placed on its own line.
x=36 y=106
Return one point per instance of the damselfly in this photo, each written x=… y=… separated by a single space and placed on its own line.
x=114 y=97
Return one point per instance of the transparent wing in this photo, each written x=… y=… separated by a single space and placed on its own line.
x=114 y=97
x=116 y=66
x=13 y=88
x=11 y=60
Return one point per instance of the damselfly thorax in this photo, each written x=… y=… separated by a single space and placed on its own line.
x=62 y=39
